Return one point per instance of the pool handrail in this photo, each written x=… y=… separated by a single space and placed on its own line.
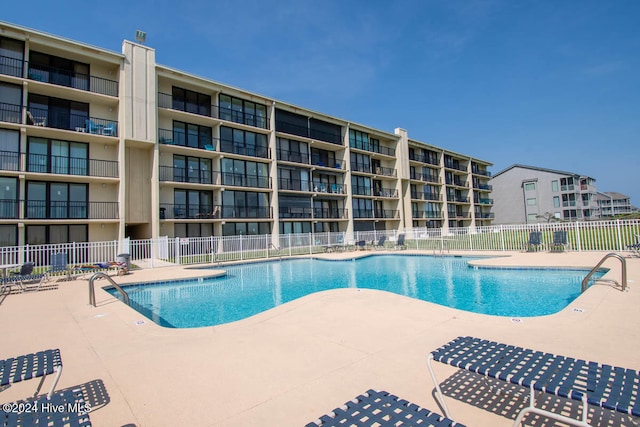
x=585 y=281
x=92 y=291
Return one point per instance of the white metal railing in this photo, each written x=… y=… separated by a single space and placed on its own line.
x=607 y=236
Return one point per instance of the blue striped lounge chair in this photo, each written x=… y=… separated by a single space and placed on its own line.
x=591 y=383
x=379 y=408
x=33 y=365
x=24 y=278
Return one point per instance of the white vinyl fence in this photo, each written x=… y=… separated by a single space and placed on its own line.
x=581 y=236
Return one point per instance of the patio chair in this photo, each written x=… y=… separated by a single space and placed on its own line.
x=75 y=413
x=360 y=244
x=635 y=247
x=25 y=278
x=380 y=244
x=33 y=365
x=559 y=241
x=382 y=409
x=535 y=241
x=109 y=130
x=91 y=127
x=59 y=264
x=400 y=242
x=591 y=383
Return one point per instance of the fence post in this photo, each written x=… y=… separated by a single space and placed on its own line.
x=578 y=243
x=266 y=244
x=289 y=244
x=241 y=258
x=619 y=233
x=310 y=243
x=470 y=240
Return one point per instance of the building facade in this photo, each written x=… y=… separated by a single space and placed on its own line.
x=612 y=204
x=97 y=145
x=527 y=194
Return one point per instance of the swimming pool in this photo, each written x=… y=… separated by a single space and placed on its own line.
x=249 y=289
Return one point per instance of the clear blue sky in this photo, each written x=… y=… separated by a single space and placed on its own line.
x=546 y=83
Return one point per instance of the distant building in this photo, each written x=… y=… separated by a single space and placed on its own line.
x=612 y=204
x=529 y=194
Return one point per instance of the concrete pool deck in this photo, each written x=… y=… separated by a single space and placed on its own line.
x=291 y=364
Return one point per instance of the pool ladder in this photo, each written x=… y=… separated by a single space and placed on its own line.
x=92 y=291
x=585 y=281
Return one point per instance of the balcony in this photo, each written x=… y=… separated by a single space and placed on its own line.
x=183 y=211
x=322 y=187
x=385 y=171
x=317 y=161
x=42 y=209
x=568 y=203
x=166 y=101
x=425 y=177
x=485 y=215
x=41 y=163
x=482 y=172
x=58 y=120
x=361 y=190
x=432 y=197
x=424 y=159
x=372 y=148
x=227 y=146
x=484 y=201
x=286 y=212
x=458 y=199
x=331 y=213
x=240 y=180
x=293 y=156
x=426 y=214
x=363 y=213
x=179 y=138
x=456 y=182
x=61 y=77
x=195 y=176
x=308 y=132
x=385 y=192
x=293 y=185
x=451 y=164
x=386 y=213
x=484 y=187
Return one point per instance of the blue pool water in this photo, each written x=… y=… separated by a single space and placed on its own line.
x=249 y=289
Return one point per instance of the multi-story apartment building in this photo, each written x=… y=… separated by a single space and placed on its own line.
x=529 y=194
x=97 y=145
x=612 y=204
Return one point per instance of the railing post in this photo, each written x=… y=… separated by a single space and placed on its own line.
x=289 y=244
x=619 y=234
x=266 y=244
x=578 y=242
x=310 y=243
x=502 y=237
x=241 y=254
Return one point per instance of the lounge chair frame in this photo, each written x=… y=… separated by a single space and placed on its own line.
x=33 y=365
x=591 y=383
x=75 y=413
x=382 y=408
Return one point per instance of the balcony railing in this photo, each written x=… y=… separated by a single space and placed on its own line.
x=372 y=148
x=385 y=192
x=184 y=211
x=196 y=176
x=165 y=100
x=294 y=184
x=42 y=163
x=485 y=215
x=480 y=172
x=293 y=156
x=361 y=190
x=295 y=212
x=362 y=213
x=485 y=187
x=568 y=203
x=426 y=214
x=456 y=182
x=459 y=199
x=386 y=213
x=425 y=177
x=485 y=201
x=317 y=161
x=241 y=180
x=433 y=196
x=57 y=76
x=307 y=132
x=424 y=159
x=42 y=209
x=450 y=164
x=569 y=187
x=59 y=120
x=179 y=137
x=334 y=213
x=227 y=146
x=385 y=171
x=61 y=77
x=322 y=187
x=9 y=209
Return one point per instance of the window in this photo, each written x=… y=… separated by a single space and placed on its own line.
x=240 y=111
x=56 y=200
x=8 y=235
x=11 y=56
x=10 y=103
x=189 y=135
x=529 y=186
x=191 y=102
x=244 y=173
x=60 y=157
x=362 y=208
x=58 y=233
x=8 y=198
x=193 y=229
x=9 y=150
x=532 y=217
x=293 y=151
x=360 y=162
x=323 y=157
x=361 y=185
x=58 y=71
x=58 y=113
x=245 y=228
x=243 y=142
x=192 y=203
x=555 y=187
x=245 y=204
x=556 y=201
x=192 y=169
x=531 y=202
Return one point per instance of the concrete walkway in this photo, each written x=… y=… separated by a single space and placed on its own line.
x=291 y=364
